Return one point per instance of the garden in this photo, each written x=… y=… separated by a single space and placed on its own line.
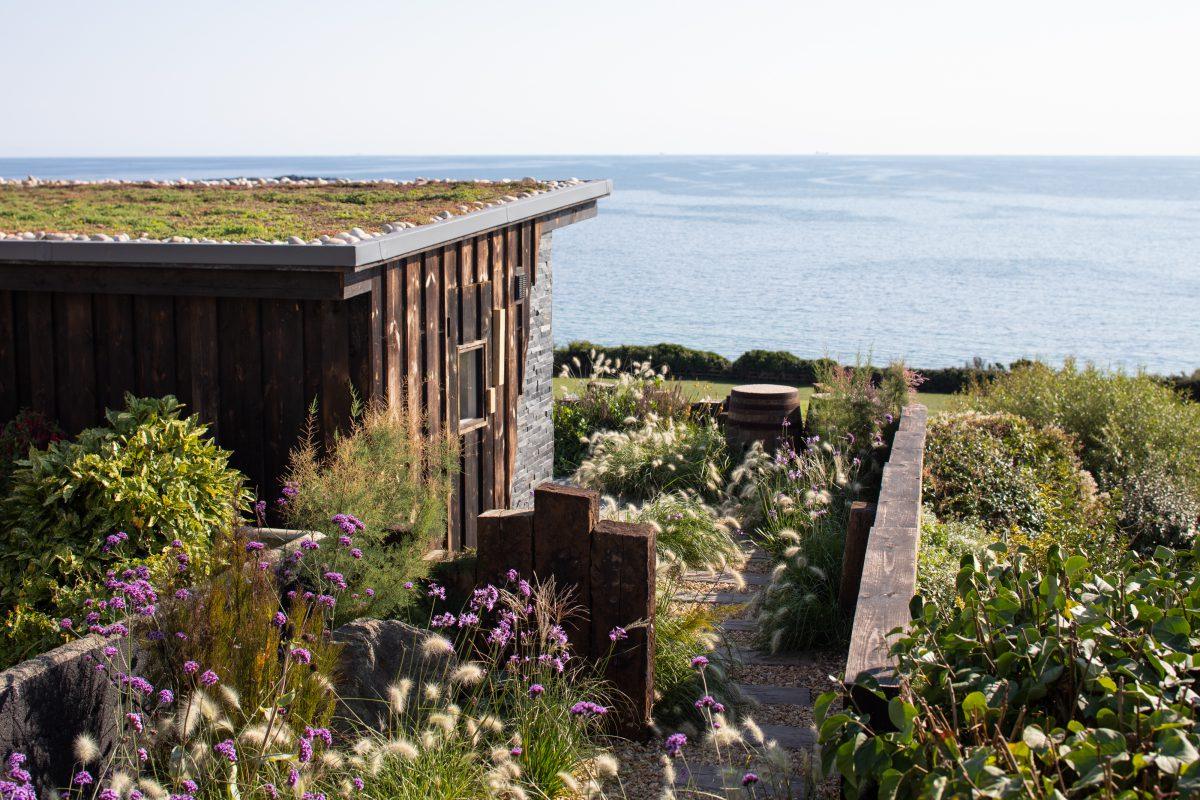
x=1051 y=652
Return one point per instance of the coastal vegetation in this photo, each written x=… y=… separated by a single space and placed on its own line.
x=269 y=212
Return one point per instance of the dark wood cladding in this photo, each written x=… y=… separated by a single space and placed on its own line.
x=251 y=350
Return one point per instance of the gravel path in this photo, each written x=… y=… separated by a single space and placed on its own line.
x=779 y=689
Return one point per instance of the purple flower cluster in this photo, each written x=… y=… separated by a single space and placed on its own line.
x=300 y=655
x=113 y=540
x=586 y=708
x=618 y=634
x=348 y=523
x=254 y=547
x=226 y=750
x=675 y=743
x=700 y=662
x=17 y=783
x=708 y=701
x=437 y=591
x=337 y=579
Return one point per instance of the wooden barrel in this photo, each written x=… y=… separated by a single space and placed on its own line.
x=757 y=413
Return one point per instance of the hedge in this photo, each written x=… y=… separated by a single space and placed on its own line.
x=780 y=365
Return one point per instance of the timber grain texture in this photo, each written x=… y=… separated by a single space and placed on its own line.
x=889 y=574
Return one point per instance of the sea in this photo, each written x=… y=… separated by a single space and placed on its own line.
x=934 y=260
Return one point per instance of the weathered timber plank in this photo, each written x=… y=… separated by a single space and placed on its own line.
x=284 y=409
x=76 y=363
x=622 y=595
x=115 y=343
x=858 y=531
x=9 y=394
x=240 y=378
x=38 y=348
x=432 y=360
x=505 y=541
x=154 y=331
x=564 y=518
x=335 y=369
x=412 y=333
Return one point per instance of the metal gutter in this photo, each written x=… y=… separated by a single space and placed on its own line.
x=304 y=256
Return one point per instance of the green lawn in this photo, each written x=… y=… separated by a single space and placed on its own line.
x=719 y=390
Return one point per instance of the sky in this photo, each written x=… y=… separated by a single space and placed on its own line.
x=260 y=77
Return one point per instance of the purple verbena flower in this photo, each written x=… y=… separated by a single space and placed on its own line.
x=227 y=750
x=675 y=743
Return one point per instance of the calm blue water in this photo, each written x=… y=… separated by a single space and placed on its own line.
x=935 y=260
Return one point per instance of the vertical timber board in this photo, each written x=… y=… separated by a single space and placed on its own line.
x=36 y=331
x=377 y=346
x=240 y=379
x=432 y=308
x=487 y=464
x=466 y=262
x=154 y=334
x=76 y=362
x=858 y=531
x=470 y=487
x=115 y=361
x=501 y=288
x=393 y=331
x=284 y=409
x=563 y=520
x=358 y=322
x=505 y=541
x=312 y=355
x=9 y=401
x=453 y=337
x=448 y=338
x=481 y=259
x=335 y=368
x=197 y=359
x=622 y=594
x=412 y=333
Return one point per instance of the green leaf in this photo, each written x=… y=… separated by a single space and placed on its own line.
x=974 y=703
x=1036 y=740
x=1074 y=565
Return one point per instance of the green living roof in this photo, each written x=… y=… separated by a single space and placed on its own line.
x=296 y=211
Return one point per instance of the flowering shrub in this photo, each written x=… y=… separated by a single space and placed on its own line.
x=146 y=479
x=1049 y=678
x=858 y=414
x=659 y=456
x=395 y=480
x=1014 y=477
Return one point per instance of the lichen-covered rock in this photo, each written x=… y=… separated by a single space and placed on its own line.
x=377 y=653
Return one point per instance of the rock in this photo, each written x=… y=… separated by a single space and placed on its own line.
x=359 y=232
x=376 y=653
x=295 y=240
x=101 y=237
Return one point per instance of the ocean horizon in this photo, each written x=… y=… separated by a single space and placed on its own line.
x=933 y=259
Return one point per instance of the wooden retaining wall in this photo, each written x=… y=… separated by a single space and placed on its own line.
x=889 y=571
x=609 y=569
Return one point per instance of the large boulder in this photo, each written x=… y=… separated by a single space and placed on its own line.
x=377 y=653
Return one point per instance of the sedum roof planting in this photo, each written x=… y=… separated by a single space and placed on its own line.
x=313 y=211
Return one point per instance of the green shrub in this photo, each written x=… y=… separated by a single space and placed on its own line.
x=571 y=431
x=690 y=534
x=1051 y=678
x=150 y=474
x=1013 y=477
x=580 y=358
x=659 y=456
x=396 y=480
x=943 y=546
x=1156 y=510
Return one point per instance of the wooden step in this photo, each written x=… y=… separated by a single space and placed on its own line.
x=791 y=737
x=749 y=625
x=720 y=598
x=749 y=655
x=749 y=578
x=708 y=782
x=776 y=695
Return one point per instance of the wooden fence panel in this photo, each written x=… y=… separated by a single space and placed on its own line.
x=76 y=364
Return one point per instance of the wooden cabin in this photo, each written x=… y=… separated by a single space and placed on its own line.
x=452 y=316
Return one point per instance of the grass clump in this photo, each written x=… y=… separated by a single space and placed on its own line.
x=612 y=399
x=661 y=455
x=690 y=534
x=396 y=478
